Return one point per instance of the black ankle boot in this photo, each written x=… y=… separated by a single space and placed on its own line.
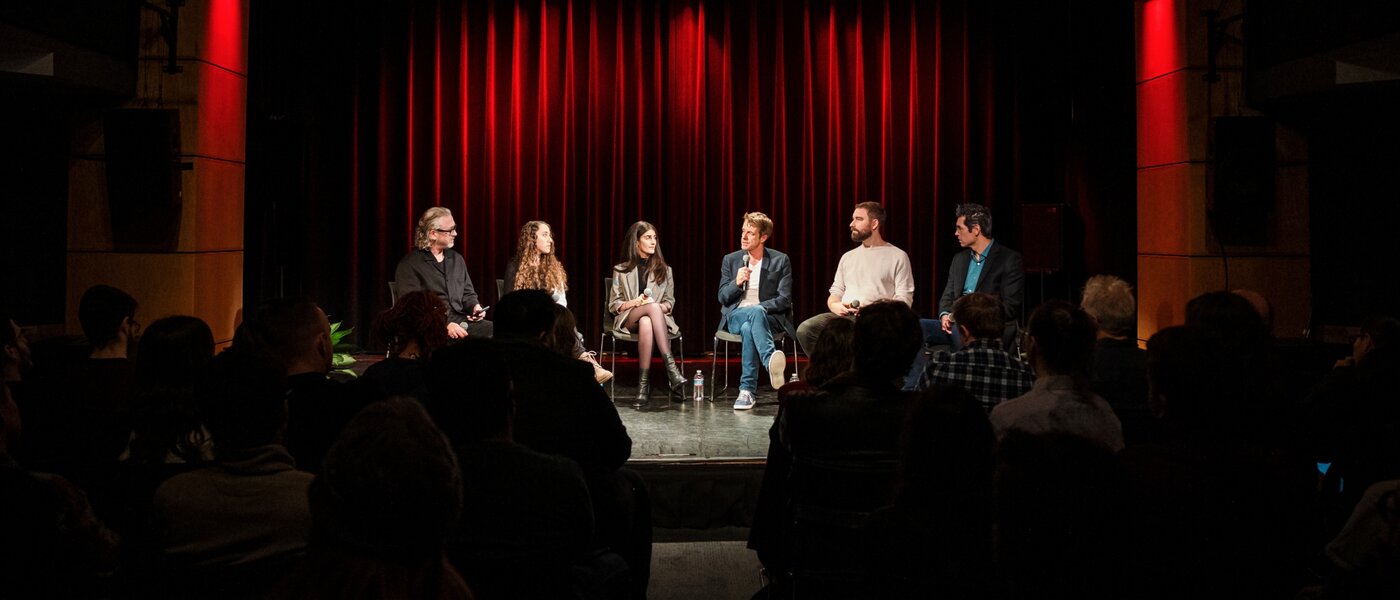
x=674 y=376
x=643 y=388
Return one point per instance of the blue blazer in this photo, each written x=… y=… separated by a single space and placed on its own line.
x=774 y=290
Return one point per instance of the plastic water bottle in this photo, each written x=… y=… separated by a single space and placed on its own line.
x=699 y=385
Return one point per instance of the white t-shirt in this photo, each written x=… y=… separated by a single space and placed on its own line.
x=751 y=294
x=871 y=273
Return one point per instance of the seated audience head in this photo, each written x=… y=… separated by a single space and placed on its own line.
x=525 y=314
x=15 y=358
x=246 y=400
x=108 y=317
x=946 y=445
x=562 y=338
x=295 y=335
x=1231 y=316
x=469 y=390
x=1377 y=334
x=1109 y=300
x=390 y=486
x=1060 y=339
x=886 y=337
x=1261 y=305
x=172 y=356
x=833 y=353
x=1193 y=383
x=979 y=316
x=173 y=352
x=418 y=320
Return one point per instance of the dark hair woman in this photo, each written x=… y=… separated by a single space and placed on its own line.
x=643 y=296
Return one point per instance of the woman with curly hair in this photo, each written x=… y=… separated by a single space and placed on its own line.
x=535 y=267
x=414 y=328
x=643 y=294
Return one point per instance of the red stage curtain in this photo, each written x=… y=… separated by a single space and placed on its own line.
x=593 y=115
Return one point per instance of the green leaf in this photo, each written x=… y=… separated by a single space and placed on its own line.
x=341 y=359
x=338 y=334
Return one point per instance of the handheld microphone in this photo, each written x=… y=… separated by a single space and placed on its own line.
x=855 y=305
x=749 y=265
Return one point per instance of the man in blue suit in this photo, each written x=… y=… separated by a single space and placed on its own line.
x=755 y=292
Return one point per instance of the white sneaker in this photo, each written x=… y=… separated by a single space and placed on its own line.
x=745 y=401
x=776 y=364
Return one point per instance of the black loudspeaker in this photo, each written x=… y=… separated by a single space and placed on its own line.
x=1043 y=237
x=143 y=178
x=1243 y=191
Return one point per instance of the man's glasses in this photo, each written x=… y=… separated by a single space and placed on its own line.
x=446 y=231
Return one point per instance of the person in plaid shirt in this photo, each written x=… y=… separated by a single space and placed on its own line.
x=981 y=366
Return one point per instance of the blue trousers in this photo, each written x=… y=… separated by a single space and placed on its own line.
x=751 y=324
x=933 y=336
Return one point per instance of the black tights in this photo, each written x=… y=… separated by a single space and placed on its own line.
x=648 y=321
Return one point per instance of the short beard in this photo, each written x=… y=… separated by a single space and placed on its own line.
x=859 y=236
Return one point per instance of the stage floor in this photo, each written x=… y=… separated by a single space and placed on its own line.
x=666 y=430
x=682 y=431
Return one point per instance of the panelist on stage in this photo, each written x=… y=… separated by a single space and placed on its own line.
x=755 y=294
x=436 y=267
x=987 y=266
x=643 y=295
x=876 y=270
x=535 y=267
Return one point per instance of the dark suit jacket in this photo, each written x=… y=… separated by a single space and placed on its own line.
x=774 y=290
x=1002 y=275
x=419 y=271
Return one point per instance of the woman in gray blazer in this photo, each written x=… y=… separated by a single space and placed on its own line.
x=643 y=295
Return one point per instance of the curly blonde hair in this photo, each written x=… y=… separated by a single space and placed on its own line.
x=536 y=271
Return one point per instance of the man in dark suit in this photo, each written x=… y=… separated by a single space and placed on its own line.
x=436 y=267
x=987 y=266
x=755 y=293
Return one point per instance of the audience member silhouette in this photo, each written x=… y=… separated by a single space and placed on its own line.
x=770 y=532
x=53 y=543
x=1119 y=371
x=413 y=329
x=388 y=495
x=560 y=409
x=1060 y=342
x=980 y=366
x=1215 y=512
x=168 y=420
x=85 y=421
x=1359 y=418
x=235 y=526
x=844 y=442
x=832 y=355
x=295 y=335
x=527 y=520
x=1365 y=556
x=563 y=338
x=1059 y=512
x=935 y=540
